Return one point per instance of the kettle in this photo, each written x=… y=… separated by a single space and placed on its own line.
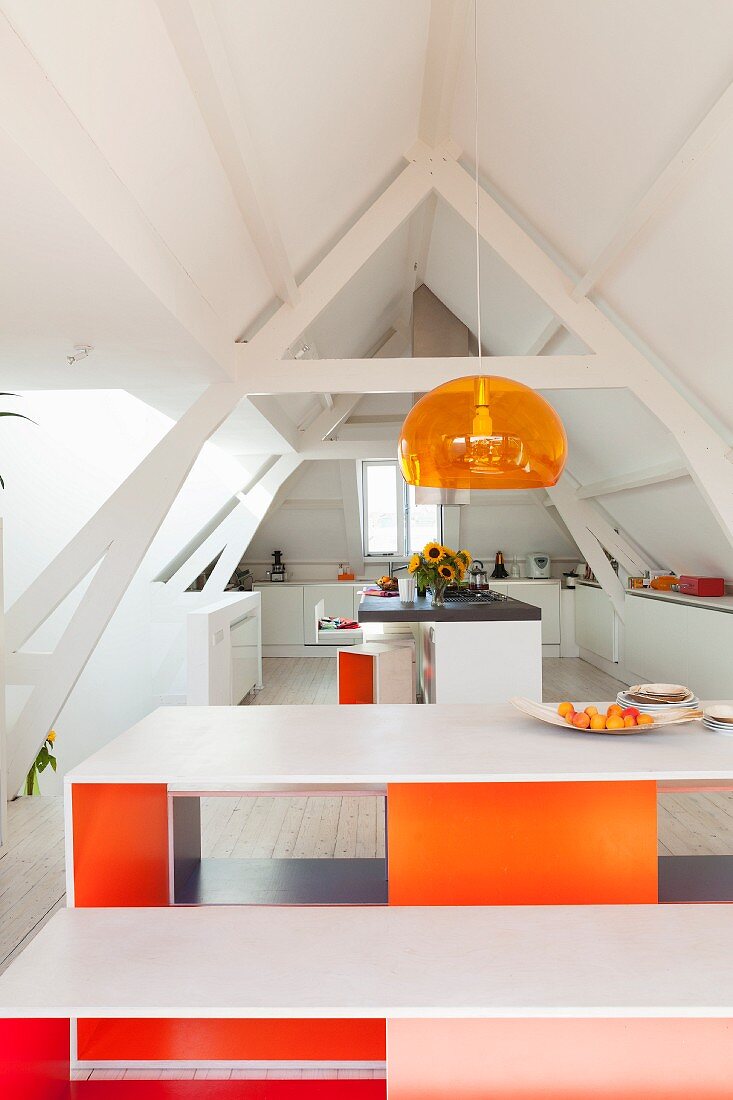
x=478 y=577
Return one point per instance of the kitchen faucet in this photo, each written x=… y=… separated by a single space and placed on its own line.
x=395 y=568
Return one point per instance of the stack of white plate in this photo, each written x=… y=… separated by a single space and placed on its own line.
x=658 y=698
x=719 y=718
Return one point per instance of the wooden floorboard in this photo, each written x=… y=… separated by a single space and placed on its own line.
x=32 y=864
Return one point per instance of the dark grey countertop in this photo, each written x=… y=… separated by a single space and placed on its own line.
x=380 y=609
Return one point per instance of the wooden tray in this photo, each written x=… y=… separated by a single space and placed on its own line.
x=547 y=712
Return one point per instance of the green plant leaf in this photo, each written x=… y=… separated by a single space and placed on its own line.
x=52 y=762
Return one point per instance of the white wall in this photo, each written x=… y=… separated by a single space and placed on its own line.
x=58 y=472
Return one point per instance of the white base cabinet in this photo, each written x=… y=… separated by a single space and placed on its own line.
x=669 y=642
x=596 y=629
x=282 y=614
x=480 y=662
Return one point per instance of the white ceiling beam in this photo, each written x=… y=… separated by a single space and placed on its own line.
x=687 y=157
x=446 y=38
x=343 y=449
x=541 y=341
x=575 y=514
x=418 y=249
x=652 y=475
x=40 y=122
x=705 y=451
x=286 y=430
x=392 y=345
x=379 y=375
x=330 y=420
x=196 y=37
x=383 y=218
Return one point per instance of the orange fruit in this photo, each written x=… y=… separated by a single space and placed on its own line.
x=569 y=717
x=598 y=722
x=645 y=720
x=630 y=711
x=614 y=722
x=581 y=721
x=590 y=711
x=629 y=720
x=565 y=708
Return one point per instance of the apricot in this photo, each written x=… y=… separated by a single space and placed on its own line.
x=569 y=717
x=630 y=712
x=590 y=711
x=565 y=708
x=614 y=711
x=645 y=720
x=629 y=720
x=581 y=721
x=598 y=722
x=614 y=722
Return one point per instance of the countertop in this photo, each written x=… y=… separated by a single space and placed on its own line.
x=241 y=748
x=366 y=962
x=389 y=609
x=713 y=603
x=359 y=581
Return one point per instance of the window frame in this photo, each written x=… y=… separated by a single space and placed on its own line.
x=402 y=506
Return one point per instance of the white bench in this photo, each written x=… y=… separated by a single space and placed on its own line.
x=348 y=636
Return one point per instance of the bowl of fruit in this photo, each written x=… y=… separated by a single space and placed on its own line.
x=601 y=718
x=387 y=584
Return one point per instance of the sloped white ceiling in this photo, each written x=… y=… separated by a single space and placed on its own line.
x=583 y=103
x=332 y=92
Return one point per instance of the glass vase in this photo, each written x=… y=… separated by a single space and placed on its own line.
x=438 y=595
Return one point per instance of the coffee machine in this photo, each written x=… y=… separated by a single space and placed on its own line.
x=277 y=572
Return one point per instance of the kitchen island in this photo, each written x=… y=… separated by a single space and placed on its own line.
x=482 y=649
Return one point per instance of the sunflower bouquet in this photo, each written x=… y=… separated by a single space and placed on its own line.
x=437 y=566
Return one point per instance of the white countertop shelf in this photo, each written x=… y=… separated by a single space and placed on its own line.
x=237 y=748
x=519 y=961
x=712 y=603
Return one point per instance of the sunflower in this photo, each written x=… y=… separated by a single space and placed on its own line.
x=447 y=572
x=414 y=564
x=465 y=557
x=460 y=568
x=434 y=552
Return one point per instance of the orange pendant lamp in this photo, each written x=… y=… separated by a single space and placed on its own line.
x=482 y=432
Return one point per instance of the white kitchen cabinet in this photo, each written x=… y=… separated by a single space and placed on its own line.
x=635 y=637
x=500 y=586
x=666 y=657
x=282 y=614
x=709 y=652
x=547 y=598
x=595 y=622
x=338 y=602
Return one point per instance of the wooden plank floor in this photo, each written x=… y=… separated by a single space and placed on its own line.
x=32 y=865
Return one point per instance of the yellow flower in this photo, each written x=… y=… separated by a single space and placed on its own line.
x=460 y=567
x=465 y=557
x=51 y=737
x=447 y=572
x=414 y=564
x=434 y=552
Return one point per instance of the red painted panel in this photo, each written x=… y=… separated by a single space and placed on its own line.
x=560 y=1059
x=231 y=1040
x=229 y=1090
x=356 y=677
x=34 y=1059
x=120 y=843
x=522 y=843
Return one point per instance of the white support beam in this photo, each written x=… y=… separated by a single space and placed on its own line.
x=652 y=475
x=117 y=538
x=382 y=375
x=543 y=338
x=705 y=451
x=36 y=117
x=194 y=31
x=687 y=157
x=446 y=38
x=391 y=210
x=329 y=421
x=269 y=407
x=418 y=249
x=575 y=515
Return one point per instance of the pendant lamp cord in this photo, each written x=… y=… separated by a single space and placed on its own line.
x=478 y=205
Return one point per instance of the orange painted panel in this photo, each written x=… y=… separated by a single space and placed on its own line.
x=356 y=678
x=120 y=843
x=560 y=1059
x=522 y=843
x=231 y=1040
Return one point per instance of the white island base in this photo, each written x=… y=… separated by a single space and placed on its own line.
x=479 y=662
